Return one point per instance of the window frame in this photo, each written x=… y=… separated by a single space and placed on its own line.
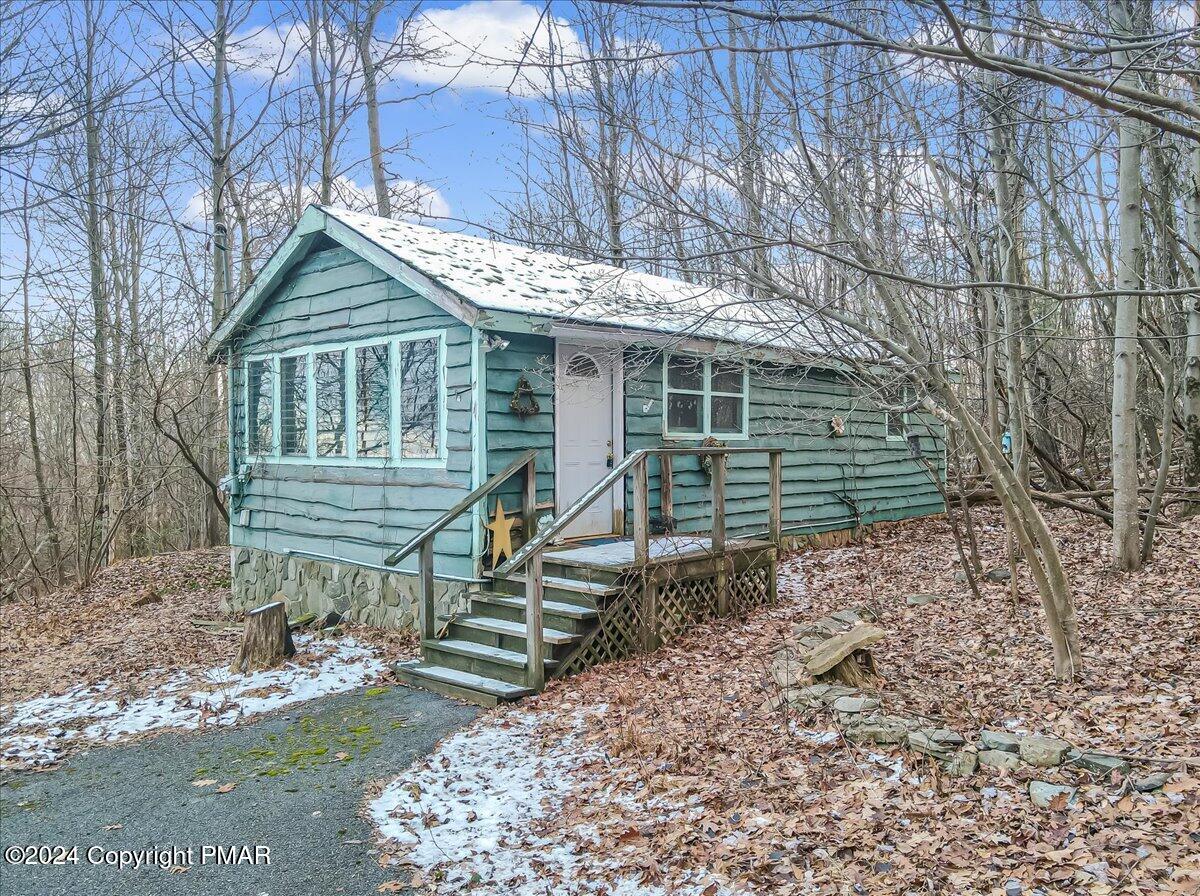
x=902 y=397
x=707 y=393
x=350 y=400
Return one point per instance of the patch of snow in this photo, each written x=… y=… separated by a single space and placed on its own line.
x=620 y=553
x=217 y=696
x=467 y=815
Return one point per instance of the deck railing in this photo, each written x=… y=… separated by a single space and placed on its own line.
x=423 y=541
x=529 y=555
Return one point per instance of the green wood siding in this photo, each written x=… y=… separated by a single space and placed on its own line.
x=357 y=513
x=507 y=434
x=824 y=477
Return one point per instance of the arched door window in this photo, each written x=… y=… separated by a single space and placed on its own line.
x=583 y=366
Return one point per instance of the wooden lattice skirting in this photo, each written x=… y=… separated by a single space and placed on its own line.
x=662 y=602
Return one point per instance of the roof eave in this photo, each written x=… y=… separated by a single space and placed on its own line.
x=314 y=222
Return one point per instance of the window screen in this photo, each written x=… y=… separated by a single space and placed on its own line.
x=293 y=405
x=420 y=398
x=260 y=406
x=372 y=401
x=329 y=388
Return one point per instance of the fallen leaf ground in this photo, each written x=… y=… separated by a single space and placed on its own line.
x=760 y=801
x=133 y=626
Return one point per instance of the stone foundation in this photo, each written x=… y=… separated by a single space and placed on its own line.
x=361 y=594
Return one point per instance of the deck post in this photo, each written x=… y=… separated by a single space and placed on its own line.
x=651 y=639
x=718 y=532
x=775 y=524
x=535 y=667
x=428 y=621
x=529 y=501
x=641 y=514
x=666 y=493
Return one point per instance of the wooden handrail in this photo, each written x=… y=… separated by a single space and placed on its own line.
x=454 y=512
x=641 y=500
x=543 y=538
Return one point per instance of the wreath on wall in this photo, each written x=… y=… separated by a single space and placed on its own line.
x=523 y=402
x=706 y=461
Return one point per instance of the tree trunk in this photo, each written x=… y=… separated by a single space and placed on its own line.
x=366 y=33
x=1127 y=553
x=266 y=641
x=53 y=540
x=212 y=515
x=1191 y=375
x=96 y=540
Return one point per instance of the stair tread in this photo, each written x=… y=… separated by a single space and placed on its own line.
x=562 y=608
x=597 y=588
x=482 y=651
x=492 y=686
x=517 y=629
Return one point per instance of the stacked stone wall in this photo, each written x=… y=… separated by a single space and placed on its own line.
x=365 y=595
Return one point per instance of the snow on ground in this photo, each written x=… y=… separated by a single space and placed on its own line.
x=468 y=815
x=38 y=731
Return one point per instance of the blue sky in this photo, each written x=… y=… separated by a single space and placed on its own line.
x=462 y=141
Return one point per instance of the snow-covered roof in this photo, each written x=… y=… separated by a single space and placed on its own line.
x=471 y=276
x=499 y=276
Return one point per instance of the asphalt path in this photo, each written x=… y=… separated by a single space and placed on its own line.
x=299 y=782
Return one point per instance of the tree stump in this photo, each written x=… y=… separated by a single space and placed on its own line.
x=266 y=641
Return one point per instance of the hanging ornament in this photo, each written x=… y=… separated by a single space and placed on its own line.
x=523 y=402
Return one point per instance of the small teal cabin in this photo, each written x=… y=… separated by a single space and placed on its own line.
x=379 y=371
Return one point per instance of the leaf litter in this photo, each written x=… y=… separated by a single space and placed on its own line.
x=672 y=773
x=122 y=658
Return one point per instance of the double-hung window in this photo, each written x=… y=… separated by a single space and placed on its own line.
x=705 y=397
x=369 y=403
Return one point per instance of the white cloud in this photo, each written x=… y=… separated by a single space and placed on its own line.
x=484 y=43
x=264 y=52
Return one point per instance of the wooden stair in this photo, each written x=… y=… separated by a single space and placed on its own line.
x=481 y=655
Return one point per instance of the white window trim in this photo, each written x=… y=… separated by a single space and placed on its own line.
x=706 y=400
x=351 y=458
x=904 y=419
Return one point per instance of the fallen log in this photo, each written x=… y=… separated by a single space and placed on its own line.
x=266 y=641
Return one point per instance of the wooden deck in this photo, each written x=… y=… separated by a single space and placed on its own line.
x=552 y=610
x=618 y=553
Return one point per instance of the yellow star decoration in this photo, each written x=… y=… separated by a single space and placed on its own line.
x=501 y=528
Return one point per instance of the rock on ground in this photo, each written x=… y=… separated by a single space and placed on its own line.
x=1043 y=752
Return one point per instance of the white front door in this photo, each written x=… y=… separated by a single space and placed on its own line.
x=583 y=423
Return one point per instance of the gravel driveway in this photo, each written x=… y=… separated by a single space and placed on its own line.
x=299 y=780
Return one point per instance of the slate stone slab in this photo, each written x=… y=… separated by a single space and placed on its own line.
x=887 y=730
x=937 y=742
x=1043 y=793
x=999 y=740
x=1102 y=764
x=962 y=764
x=853 y=705
x=920 y=600
x=820 y=694
x=999 y=759
x=840 y=646
x=1044 y=752
x=1147 y=783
